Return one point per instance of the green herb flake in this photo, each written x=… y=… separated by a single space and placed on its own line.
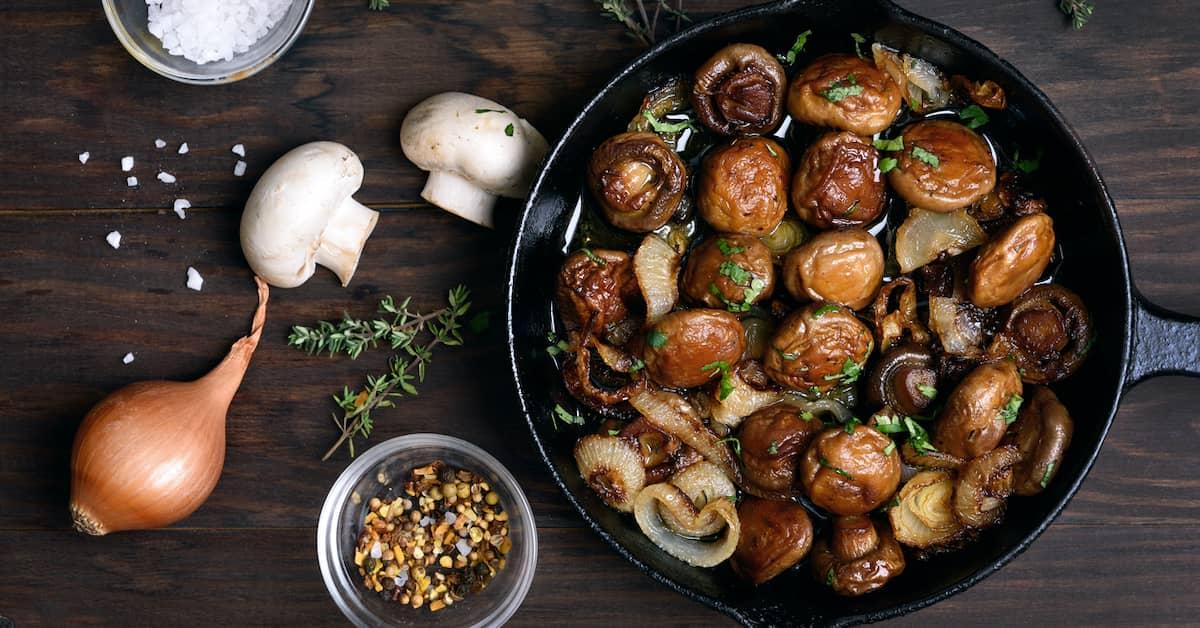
x=825 y=309
x=725 y=388
x=735 y=273
x=842 y=472
x=663 y=127
x=774 y=449
x=889 y=424
x=796 y=49
x=1080 y=11
x=859 y=40
x=1028 y=166
x=561 y=414
x=734 y=444
x=656 y=339
x=378 y=5
x=918 y=437
x=488 y=111
x=614 y=432
x=556 y=346
x=1009 y=412
x=785 y=356
x=638 y=365
x=1046 y=475
x=851 y=424
x=927 y=157
x=974 y=117
x=596 y=259
x=842 y=89
x=806 y=415
x=890 y=145
x=929 y=391
x=771 y=150
x=849 y=374
x=508 y=130
x=887 y=451
x=888 y=164
x=728 y=249
x=829 y=578
x=849 y=212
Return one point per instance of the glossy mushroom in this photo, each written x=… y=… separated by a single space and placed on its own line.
x=818 y=347
x=842 y=267
x=979 y=410
x=638 y=181
x=594 y=287
x=773 y=440
x=844 y=92
x=729 y=271
x=740 y=91
x=856 y=558
x=904 y=379
x=984 y=485
x=838 y=183
x=1012 y=261
x=775 y=536
x=690 y=347
x=851 y=470
x=923 y=515
x=742 y=186
x=1048 y=333
x=1042 y=435
x=944 y=166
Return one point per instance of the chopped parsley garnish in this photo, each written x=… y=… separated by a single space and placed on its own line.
x=1046 y=475
x=974 y=117
x=1010 y=409
x=561 y=414
x=824 y=309
x=751 y=285
x=888 y=164
x=725 y=388
x=596 y=259
x=927 y=157
x=850 y=211
x=637 y=366
x=774 y=449
x=806 y=415
x=888 y=424
x=842 y=472
x=728 y=249
x=841 y=89
x=851 y=424
x=849 y=373
x=859 y=40
x=918 y=437
x=891 y=145
x=796 y=49
x=929 y=391
x=734 y=444
x=556 y=345
x=887 y=451
x=508 y=130
x=1027 y=165
x=656 y=339
x=829 y=578
x=785 y=356
x=667 y=128
x=613 y=432
x=735 y=273
x=771 y=150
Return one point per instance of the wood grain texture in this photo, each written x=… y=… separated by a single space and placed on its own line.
x=71 y=306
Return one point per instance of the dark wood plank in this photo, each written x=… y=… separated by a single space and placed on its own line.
x=347 y=79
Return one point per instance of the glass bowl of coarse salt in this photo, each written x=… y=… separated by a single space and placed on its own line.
x=207 y=42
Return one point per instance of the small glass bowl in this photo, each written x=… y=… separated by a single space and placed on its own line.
x=128 y=19
x=387 y=466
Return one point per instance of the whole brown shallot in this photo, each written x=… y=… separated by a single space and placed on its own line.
x=150 y=453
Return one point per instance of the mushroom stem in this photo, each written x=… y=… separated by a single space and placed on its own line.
x=460 y=196
x=344 y=238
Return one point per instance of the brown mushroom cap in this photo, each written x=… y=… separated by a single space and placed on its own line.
x=838 y=182
x=711 y=278
x=1012 y=261
x=742 y=186
x=1048 y=333
x=847 y=472
x=827 y=93
x=739 y=91
x=1043 y=434
x=775 y=536
x=638 y=181
x=964 y=170
x=811 y=347
x=972 y=423
x=690 y=340
x=773 y=439
x=843 y=267
x=856 y=558
x=592 y=290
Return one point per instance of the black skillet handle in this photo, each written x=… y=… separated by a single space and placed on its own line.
x=1164 y=343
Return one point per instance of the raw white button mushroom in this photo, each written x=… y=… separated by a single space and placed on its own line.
x=474 y=150
x=301 y=214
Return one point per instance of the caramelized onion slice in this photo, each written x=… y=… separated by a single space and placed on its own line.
x=674 y=415
x=656 y=265
x=958 y=325
x=984 y=484
x=659 y=502
x=925 y=235
x=924 y=515
x=924 y=87
x=891 y=326
x=612 y=468
x=704 y=482
x=741 y=402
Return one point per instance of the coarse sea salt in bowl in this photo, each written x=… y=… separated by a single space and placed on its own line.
x=243 y=36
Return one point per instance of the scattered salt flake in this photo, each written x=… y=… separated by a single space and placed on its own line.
x=114 y=239
x=84 y=156
x=426 y=521
x=376 y=550
x=180 y=205
x=195 y=281
x=183 y=148
x=126 y=164
x=166 y=177
x=451 y=518
x=239 y=150
x=158 y=143
x=239 y=168
x=128 y=358
x=463 y=547
x=131 y=182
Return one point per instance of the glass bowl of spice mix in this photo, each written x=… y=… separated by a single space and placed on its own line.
x=426 y=530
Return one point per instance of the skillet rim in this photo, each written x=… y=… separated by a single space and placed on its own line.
x=974 y=50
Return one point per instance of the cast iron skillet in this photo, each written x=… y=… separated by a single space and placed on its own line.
x=1136 y=339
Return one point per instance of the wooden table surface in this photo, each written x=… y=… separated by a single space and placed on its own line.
x=1126 y=551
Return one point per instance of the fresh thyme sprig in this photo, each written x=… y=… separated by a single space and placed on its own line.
x=378 y=5
x=399 y=327
x=643 y=24
x=1080 y=11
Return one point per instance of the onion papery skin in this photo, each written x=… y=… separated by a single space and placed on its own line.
x=151 y=453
